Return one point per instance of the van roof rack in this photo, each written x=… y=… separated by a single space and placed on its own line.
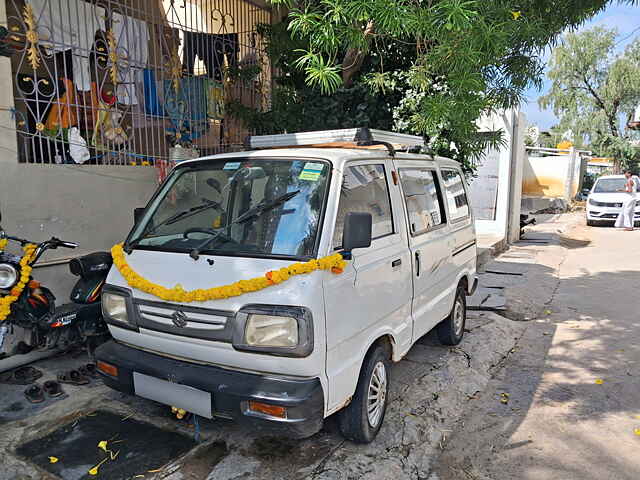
x=362 y=137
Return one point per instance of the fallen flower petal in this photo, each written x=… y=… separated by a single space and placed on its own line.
x=53 y=459
x=599 y=381
x=94 y=470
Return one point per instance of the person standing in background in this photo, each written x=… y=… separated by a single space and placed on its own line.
x=625 y=217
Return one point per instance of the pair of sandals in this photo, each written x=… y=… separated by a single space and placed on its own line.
x=35 y=393
x=80 y=376
x=21 y=376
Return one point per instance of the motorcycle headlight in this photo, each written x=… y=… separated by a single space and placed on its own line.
x=115 y=308
x=276 y=330
x=8 y=276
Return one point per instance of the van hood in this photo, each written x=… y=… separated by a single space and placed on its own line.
x=168 y=269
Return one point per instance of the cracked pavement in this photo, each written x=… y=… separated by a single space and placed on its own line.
x=573 y=407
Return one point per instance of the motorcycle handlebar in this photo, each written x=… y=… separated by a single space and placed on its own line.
x=52 y=243
x=56 y=242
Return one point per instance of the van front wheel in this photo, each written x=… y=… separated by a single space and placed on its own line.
x=360 y=421
x=451 y=329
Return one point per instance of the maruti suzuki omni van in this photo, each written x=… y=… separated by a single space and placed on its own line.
x=317 y=341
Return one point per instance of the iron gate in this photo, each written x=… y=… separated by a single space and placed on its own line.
x=118 y=82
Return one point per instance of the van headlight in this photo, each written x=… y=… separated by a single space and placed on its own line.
x=8 y=276
x=275 y=330
x=115 y=307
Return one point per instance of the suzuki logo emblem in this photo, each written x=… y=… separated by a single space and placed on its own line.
x=179 y=319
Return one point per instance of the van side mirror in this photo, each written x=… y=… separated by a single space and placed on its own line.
x=356 y=232
x=137 y=214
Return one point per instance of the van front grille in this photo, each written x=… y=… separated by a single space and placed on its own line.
x=185 y=321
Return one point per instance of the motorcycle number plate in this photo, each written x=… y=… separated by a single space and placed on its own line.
x=173 y=394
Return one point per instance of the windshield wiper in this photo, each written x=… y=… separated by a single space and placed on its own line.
x=263 y=207
x=173 y=219
x=248 y=215
x=188 y=213
x=216 y=235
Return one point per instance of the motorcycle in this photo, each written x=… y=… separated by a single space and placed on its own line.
x=35 y=323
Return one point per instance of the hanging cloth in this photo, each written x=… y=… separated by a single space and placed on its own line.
x=63 y=112
x=72 y=25
x=187 y=108
x=132 y=38
x=152 y=105
x=212 y=49
x=215 y=100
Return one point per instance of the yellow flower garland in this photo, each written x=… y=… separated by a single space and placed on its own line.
x=25 y=273
x=335 y=263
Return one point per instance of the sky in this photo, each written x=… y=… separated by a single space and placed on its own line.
x=623 y=17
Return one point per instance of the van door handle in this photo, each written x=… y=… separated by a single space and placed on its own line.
x=396 y=263
x=417 y=263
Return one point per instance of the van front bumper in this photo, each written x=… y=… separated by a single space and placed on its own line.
x=230 y=390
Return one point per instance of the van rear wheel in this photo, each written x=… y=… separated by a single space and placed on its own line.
x=361 y=420
x=451 y=329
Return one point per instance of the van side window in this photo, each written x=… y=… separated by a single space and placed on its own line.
x=456 y=196
x=364 y=189
x=423 y=198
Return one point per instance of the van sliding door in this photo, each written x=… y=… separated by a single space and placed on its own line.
x=429 y=243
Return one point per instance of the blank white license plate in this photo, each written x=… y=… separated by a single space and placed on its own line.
x=181 y=396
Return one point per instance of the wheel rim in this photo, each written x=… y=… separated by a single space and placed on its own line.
x=458 y=317
x=377 y=394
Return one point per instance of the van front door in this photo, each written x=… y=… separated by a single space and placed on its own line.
x=372 y=297
x=429 y=244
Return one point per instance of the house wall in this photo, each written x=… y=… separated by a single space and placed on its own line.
x=545 y=176
x=495 y=192
x=553 y=176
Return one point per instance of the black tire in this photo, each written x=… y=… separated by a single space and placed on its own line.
x=354 y=420
x=450 y=331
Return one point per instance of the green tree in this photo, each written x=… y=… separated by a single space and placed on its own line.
x=465 y=58
x=594 y=92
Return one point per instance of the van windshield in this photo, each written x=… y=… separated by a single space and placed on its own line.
x=238 y=207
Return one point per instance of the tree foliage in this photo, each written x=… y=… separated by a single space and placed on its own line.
x=429 y=67
x=594 y=91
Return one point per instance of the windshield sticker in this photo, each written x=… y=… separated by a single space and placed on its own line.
x=231 y=166
x=311 y=171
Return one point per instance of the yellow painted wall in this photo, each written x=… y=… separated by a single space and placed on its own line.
x=545 y=176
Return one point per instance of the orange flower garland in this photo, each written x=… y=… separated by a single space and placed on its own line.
x=335 y=263
x=25 y=273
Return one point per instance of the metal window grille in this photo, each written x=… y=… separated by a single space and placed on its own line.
x=122 y=82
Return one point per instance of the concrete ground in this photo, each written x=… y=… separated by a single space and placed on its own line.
x=566 y=404
x=517 y=399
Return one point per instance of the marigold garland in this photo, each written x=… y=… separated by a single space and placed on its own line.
x=25 y=274
x=335 y=263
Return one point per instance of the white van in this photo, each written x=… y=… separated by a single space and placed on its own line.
x=285 y=357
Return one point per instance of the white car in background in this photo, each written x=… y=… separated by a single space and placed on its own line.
x=605 y=200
